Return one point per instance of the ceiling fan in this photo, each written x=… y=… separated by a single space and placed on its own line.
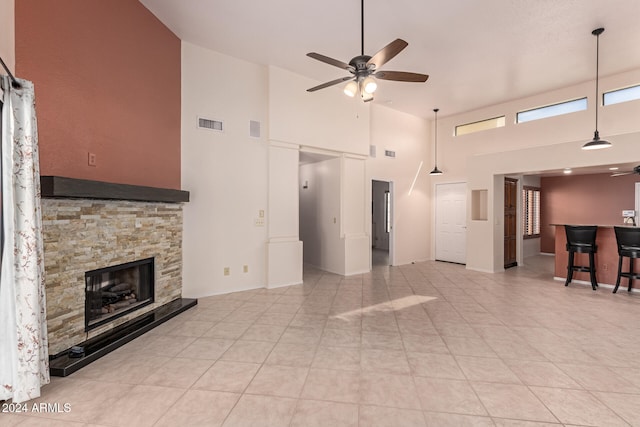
x=365 y=69
x=635 y=170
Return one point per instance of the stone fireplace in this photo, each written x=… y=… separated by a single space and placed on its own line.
x=114 y=291
x=90 y=232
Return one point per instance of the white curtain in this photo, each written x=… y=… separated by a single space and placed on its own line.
x=24 y=361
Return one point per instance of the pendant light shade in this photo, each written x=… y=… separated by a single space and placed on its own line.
x=435 y=170
x=596 y=143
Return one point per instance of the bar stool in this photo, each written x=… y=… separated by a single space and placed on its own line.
x=628 y=240
x=581 y=239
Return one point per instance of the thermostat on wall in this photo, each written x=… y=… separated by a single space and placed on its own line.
x=628 y=213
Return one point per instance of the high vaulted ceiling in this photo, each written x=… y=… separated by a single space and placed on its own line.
x=476 y=52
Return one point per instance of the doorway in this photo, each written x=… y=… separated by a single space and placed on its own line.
x=451 y=223
x=381 y=222
x=510 y=222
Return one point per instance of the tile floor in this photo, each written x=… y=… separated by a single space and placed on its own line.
x=429 y=344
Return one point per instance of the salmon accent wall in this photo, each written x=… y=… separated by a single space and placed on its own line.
x=583 y=199
x=107 y=82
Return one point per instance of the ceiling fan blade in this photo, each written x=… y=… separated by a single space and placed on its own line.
x=401 y=76
x=385 y=54
x=330 y=61
x=331 y=83
x=622 y=173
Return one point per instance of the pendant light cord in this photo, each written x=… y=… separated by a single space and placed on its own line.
x=597 y=33
x=435 y=163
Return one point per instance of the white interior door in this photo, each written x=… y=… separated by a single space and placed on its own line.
x=451 y=222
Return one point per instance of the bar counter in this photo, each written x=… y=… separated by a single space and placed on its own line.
x=606 y=257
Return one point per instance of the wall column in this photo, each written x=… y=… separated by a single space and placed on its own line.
x=284 y=248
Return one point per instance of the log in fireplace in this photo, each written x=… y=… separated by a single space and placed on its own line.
x=114 y=291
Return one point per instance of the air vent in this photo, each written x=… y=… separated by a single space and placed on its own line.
x=372 y=151
x=390 y=153
x=254 y=129
x=210 y=124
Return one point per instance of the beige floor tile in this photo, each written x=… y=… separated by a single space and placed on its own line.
x=436 y=419
x=227 y=376
x=275 y=318
x=199 y=408
x=502 y=422
x=301 y=335
x=625 y=405
x=577 y=407
x=598 y=378
x=191 y=328
x=206 y=348
x=179 y=372
x=313 y=413
x=261 y=411
x=435 y=366
x=270 y=333
x=337 y=386
x=444 y=395
x=544 y=374
x=382 y=341
x=512 y=401
x=424 y=344
x=382 y=389
x=340 y=358
x=486 y=369
x=341 y=338
x=248 y=351
x=227 y=330
x=379 y=416
x=142 y=406
x=286 y=354
x=465 y=346
x=284 y=381
x=388 y=361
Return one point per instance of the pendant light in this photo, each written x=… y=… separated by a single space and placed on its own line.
x=596 y=143
x=435 y=170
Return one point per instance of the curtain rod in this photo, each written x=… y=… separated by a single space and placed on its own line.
x=14 y=82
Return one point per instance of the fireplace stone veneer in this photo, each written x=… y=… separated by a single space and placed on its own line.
x=81 y=235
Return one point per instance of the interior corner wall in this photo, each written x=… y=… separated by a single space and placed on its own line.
x=7 y=34
x=409 y=137
x=107 y=82
x=226 y=173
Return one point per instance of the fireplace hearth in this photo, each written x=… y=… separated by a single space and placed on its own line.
x=117 y=290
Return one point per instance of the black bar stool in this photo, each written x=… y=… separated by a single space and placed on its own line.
x=582 y=239
x=628 y=240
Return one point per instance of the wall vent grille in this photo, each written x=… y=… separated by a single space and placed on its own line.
x=390 y=153
x=210 y=124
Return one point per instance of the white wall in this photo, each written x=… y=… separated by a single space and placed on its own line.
x=226 y=173
x=483 y=158
x=7 y=35
x=409 y=137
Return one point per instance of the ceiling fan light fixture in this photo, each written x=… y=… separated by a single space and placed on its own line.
x=596 y=143
x=351 y=89
x=366 y=96
x=369 y=85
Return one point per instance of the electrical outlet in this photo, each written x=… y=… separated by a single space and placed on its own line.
x=245 y=268
x=227 y=271
x=605 y=267
x=92 y=159
x=261 y=213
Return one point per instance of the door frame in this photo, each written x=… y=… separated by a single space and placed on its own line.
x=392 y=243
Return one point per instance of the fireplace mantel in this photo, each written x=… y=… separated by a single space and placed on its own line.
x=63 y=187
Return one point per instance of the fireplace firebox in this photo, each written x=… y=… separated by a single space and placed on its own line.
x=114 y=291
